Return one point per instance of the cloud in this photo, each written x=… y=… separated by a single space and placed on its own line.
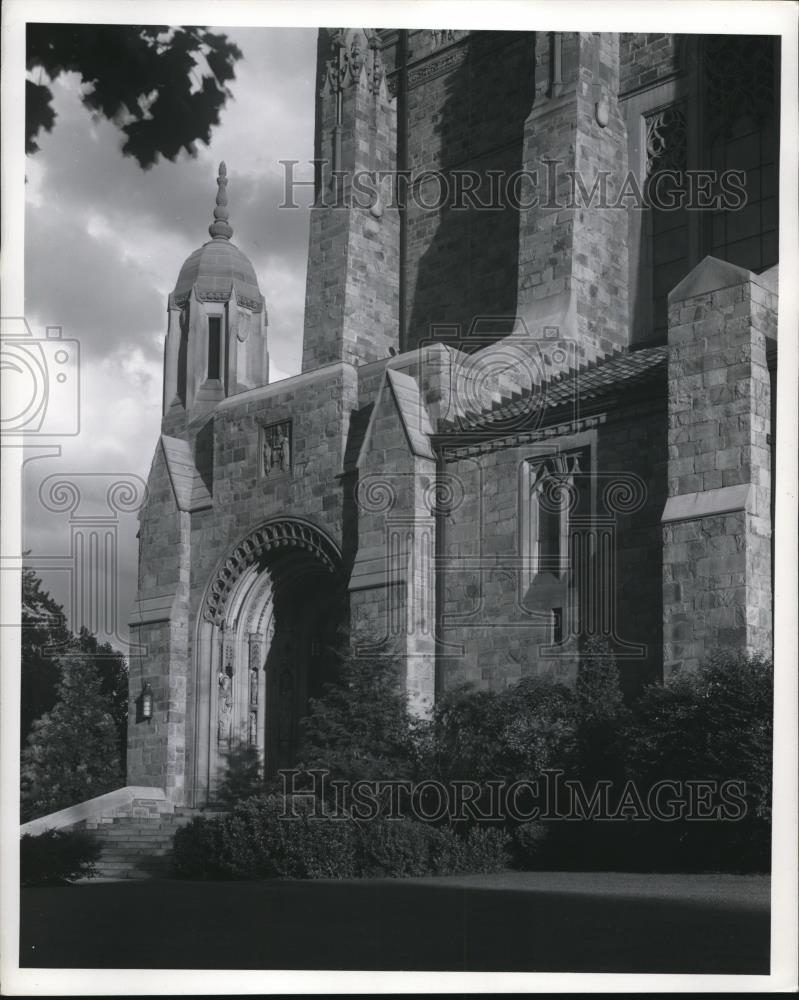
x=93 y=213
x=120 y=418
x=104 y=244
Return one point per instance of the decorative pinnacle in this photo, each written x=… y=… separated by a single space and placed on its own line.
x=220 y=228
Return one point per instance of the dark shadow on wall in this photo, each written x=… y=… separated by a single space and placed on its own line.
x=638 y=445
x=204 y=454
x=462 y=262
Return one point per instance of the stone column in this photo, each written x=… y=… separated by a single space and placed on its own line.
x=572 y=246
x=159 y=630
x=392 y=585
x=352 y=297
x=717 y=586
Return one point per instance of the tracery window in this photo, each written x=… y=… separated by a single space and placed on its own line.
x=551 y=499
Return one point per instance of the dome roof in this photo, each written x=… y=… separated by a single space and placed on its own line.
x=213 y=271
x=218 y=266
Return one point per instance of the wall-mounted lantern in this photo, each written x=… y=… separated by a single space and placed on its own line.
x=147 y=703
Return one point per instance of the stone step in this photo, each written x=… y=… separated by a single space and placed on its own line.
x=140 y=847
x=114 y=832
x=122 y=872
x=134 y=851
x=134 y=862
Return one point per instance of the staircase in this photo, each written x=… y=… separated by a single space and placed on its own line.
x=134 y=825
x=135 y=847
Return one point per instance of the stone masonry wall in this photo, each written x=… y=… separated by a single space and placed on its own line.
x=466 y=106
x=156 y=749
x=502 y=641
x=717 y=525
x=569 y=242
x=648 y=57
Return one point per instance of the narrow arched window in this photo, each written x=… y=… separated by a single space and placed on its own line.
x=545 y=524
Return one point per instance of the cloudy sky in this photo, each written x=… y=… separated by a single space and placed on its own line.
x=105 y=240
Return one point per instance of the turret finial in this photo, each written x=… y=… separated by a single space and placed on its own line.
x=220 y=228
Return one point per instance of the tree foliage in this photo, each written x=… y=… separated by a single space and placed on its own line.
x=112 y=669
x=513 y=734
x=163 y=87
x=44 y=634
x=72 y=752
x=74 y=708
x=360 y=727
x=45 y=639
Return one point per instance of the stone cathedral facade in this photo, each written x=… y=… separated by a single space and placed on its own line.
x=536 y=399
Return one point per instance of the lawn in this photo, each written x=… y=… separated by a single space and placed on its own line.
x=517 y=921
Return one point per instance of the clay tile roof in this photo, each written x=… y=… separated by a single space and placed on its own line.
x=622 y=371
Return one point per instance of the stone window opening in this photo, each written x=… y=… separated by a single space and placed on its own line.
x=214 y=348
x=551 y=500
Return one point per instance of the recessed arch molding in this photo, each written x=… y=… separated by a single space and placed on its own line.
x=273 y=536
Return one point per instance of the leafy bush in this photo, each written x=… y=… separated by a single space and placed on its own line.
x=403 y=847
x=530 y=843
x=261 y=839
x=56 y=857
x=600 y=715
x=711 y=725
x=511 y=735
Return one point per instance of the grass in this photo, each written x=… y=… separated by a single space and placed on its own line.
x=516 y=921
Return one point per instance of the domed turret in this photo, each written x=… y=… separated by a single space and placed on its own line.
x=218 y=266
x=216 y=339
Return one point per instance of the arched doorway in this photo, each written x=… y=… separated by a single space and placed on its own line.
x=268 y=621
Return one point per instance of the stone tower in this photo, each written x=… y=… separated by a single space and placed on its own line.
x=215 y=348
x=352 y=298
x=216 y=333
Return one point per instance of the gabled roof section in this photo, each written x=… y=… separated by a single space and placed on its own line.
x=412 y=412
x=709 y=275
x=191 y=492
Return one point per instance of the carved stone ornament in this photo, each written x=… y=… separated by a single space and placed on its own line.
x=666 y=139
x=281 y=533
x=355 y=57
x=225 y=714
x=276 y=450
